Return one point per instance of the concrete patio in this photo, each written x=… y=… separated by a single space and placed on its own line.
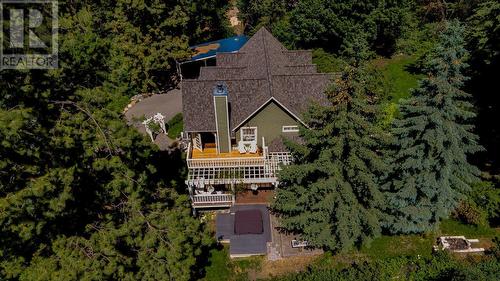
x=244 y=245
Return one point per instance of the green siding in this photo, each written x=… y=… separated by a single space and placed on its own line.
x=222 y=123
x=269 y=122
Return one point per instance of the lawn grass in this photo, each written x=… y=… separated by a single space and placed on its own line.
x=175 y=126
x=398 y=79
x=219 y=265
x=401 y=245
x=454 y=227
x=222 y=268
x=397 y=82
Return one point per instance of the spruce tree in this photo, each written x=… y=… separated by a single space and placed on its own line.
x=433 y=138
x=330 y=195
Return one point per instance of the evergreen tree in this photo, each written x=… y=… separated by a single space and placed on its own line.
x=433 y=138
x=330 y=195
x=83 y=195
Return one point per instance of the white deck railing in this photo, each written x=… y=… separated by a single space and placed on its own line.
x=257 y=160
x=259 y=169
x=225 y=162
x=212 y=200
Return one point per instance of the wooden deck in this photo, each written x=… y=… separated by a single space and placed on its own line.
x=260 y=197
x=211 y=152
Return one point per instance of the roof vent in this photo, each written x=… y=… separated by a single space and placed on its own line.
x=220 y=89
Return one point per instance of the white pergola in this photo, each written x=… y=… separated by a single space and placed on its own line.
x=158 y=119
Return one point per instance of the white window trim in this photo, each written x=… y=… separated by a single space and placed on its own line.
x=241 y=133
x=290 y=129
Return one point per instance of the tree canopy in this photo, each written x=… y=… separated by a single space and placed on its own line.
x=433 y=138
x=331 y=25
x=330 y=195
x=83 y=195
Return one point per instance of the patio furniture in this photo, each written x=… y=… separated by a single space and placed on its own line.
x=299 y=243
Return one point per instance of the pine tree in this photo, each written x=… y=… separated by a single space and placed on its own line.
x=330 y=195
x=433 y=138
x=83 y=196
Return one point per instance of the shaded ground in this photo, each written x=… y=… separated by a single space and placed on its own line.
x=168 y=104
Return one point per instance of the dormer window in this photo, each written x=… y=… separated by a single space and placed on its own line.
x=249 y=134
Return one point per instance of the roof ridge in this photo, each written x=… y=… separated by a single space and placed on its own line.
x=308 y=74
x=304 y=64
x=266 y=58
x=297 y=51
x=211 y=80
x=222 y=67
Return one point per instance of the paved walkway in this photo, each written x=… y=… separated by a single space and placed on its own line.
x=168 y=104
x=281 y=246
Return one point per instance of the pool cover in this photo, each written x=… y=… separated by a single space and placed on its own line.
x=248 y=222
x=210 y=49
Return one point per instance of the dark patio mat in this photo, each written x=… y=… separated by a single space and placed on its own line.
x=248 y=222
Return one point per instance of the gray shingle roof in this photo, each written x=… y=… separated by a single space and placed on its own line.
x=262 y=69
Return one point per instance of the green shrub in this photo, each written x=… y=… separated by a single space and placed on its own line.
x=441 y=266
x=454 y=227
x=175 y=126
x=467 y=212
x=487 y=196
x=326 y=62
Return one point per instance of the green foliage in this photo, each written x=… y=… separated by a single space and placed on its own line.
x=218 y=265
x=399 y=78
x=417 y=38
x=485 y=32
x=221 y=267
x=432 y=140
x=175 y=126
x=336 y=26
x=487 y=197
x=154 y=127
x=97 y=200
x=82 y=195
x=395 y=78
x=438 y=267
x=258 y=13
x=326 y=62
x=439 y=11
x=469 y=213
x=330 y=195
x=454 y=227
x=399 y=246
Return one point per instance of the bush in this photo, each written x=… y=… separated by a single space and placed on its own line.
x=441 y=266
x=469 y=213
x=486 y=195
x=326 y=62
x=175 y=126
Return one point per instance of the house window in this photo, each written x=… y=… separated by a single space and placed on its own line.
x=249 y=134
x=290 y=129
